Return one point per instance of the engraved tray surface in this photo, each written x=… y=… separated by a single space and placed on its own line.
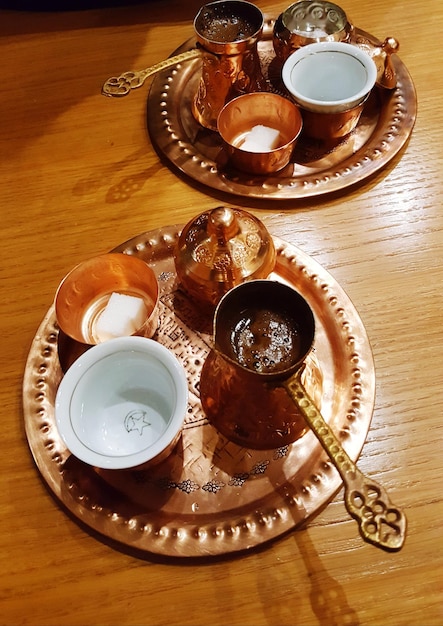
x=210 y=497
x=384 y=127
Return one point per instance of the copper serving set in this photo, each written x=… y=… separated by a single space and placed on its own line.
x=204 y=268
x=280 y=371
x=230 y=59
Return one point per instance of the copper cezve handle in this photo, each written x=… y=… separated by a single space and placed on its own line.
x=380 y=522
x=118 y=86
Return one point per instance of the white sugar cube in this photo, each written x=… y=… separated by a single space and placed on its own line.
x=261 y=139
x=122 y=316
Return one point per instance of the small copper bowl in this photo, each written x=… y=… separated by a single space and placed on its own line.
x=84 y=293
x=309 y=21
x=243 y=114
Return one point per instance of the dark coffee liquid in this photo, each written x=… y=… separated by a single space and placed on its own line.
x=265 y=342
x=226 y=29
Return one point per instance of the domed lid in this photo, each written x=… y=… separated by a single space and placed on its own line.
x=222 y=248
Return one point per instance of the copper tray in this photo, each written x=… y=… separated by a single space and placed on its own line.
x=211 y=496
x=383 y=129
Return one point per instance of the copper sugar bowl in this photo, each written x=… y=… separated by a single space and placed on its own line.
x=220 y=249
x=227 y=32
x=309 y=21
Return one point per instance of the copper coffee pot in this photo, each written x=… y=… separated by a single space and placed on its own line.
x=252 y=391
x=227 y=33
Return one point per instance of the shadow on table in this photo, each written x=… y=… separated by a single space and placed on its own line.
x=326 y=596
x=113 y=35
x=328 y=599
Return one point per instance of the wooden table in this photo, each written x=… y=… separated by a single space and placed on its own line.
x=80 y=176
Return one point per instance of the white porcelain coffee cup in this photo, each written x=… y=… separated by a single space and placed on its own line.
x=122 y=403
x=329 y=77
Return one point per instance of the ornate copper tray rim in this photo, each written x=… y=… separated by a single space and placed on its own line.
x=282 y=509
x=396 y=121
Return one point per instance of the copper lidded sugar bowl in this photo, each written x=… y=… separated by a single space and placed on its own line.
x=309 y=21
x=220 y=249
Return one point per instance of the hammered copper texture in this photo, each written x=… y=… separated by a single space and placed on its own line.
x=318 y=167
x=211 y=496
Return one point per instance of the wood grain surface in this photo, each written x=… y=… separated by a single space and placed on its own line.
x=79 y=176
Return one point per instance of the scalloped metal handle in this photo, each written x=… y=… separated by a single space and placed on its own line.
x=380 y=522
x=118 y=86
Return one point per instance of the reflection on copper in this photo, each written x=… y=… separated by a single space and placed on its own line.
x=331 y=126
x=263 y=331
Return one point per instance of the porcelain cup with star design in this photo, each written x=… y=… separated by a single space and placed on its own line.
x=122 y=404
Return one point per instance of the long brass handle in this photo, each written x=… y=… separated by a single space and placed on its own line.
x=119 y=86
x=380 y=522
